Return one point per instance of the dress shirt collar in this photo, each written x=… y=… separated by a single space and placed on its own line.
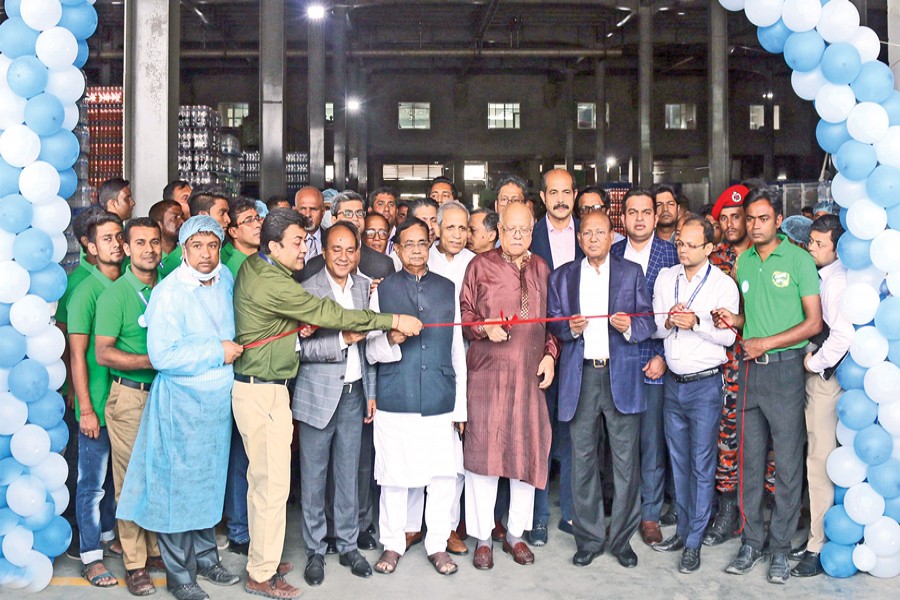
x=336 y=287
x=586 y=266
x=552 y=228
x=628 y=245
x=829 y=270
x=700 y=271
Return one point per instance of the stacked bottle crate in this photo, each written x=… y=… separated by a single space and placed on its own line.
x=104 y=106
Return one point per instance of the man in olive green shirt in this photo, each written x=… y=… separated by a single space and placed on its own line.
x=167 y=214
x=120 y=339
x=244 y=230
x=268 y=302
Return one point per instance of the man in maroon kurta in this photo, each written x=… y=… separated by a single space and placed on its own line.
x=508 y=432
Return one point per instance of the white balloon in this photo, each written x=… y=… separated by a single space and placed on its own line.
x=763 y=13
x=5 y=61
x=733 y=5
x=30 y=315
x=859 y=302
x=60 y=247
x=839 y=21
x=846 y=191
x=801 y=15
x=39 y=182
x=52 y=471
x=30 y=446
x=14 y=281
x=834 y=102
x=868 y=122
x=7 y=241
x=866 y=42
x=869 y=347
x=70 y=120
x=869 y=276
x=863 y=504
x=885 y=250
x=888 y=148
x=67 y=84
x=38 y=570
x=57 y=373
x=889 y=419
x=17 y=544
x=57 y=47
x=26 y=495
x=865 y=220
x=882 y=382
x=887 y=567
x=54 y=217
x=807 y=84
x=46 y=347
x=19 y=145
x=41 y=14
x=844 y=468
x=60 y=499
x=12 y=107
x=845 y=435
x=864 y=558
x=13 y=414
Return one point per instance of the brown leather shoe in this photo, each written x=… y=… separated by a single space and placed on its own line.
x=650 y=532
x=461 y=531
x=276 y=588
x=498 y=533
x=484 y=558
x=456 y=545
x=521 y=553
x=413 y=538
x=139 y=582
x=284 y=568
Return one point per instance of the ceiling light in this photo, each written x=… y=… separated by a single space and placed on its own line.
x=315 y=12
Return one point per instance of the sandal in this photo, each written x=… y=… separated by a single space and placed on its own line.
x=113 y=549
x=97 y=579
x=139 y=583
x=443 y=564
x=387 y=564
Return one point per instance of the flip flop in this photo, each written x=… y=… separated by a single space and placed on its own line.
x=108 y=551
x=96 y=579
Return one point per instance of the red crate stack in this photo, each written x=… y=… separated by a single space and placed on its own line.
x=105 y=115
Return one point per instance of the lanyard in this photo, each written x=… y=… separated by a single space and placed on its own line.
x=142 y=320
x=696 y=291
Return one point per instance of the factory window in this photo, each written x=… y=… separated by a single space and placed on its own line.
x=758 y=117
x=681 y=116
x=587 y=115
x=395 y=172
x=503 y=115
x=234 y=113
x=329 y=112
x=414 y=115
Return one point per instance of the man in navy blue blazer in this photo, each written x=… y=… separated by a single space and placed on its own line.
x=600 y=376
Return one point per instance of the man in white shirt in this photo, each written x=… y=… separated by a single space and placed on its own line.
x=695 y=352
x=822 y=388
x=309 y=202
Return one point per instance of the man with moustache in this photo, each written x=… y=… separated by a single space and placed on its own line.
x=383 y=201
x=509 y=189
x=215 y=205
x=668 y=210
x=592 y=198
x=377 y=233
x=169 y=216
x=443 y=190
x=309 y=202
x=483 y=234
x=243 y=229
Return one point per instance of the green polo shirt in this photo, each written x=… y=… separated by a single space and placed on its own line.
x=81 y=272
x=119 y=311
x=170 y=262
x=226 y=252
x=772 y=289
x=267 y=302
x=82 y=309
x=235 y=261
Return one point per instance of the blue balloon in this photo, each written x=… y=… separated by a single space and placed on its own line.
x=856 y=160
x=842 y=215
x=3 y=505
x=33 y=249
x=59 y=437
x=49 y=283
x=4 y=446
x=16 y=38
x=12 y=347
x=894 y=352
x=854 y=252
x=892 y=508
x=80 y=19
x=27 y=76
x=803 y=51
x=43 y=517
x=831 y=136
x=9 y=178
x=841 y=63
x=885 y=478
x=15 y=213
x=84 y=53
x=60 y=149
x=873 y=445
x=29 y=380
x=48 y=411
x=839 y=493
x=840 y=528
x=773 y=37
x=4 y=313
x=53 y=539
x=874 y=83
x=8 y=520
x=849 y=374
x=68 y=183
x=892 y=106
x=887 y=318
x=44 y=114
x=893 y=214
x=10 y=469
x=12 y=7
x=883 y=186
x=856 y=411
x=837 y=560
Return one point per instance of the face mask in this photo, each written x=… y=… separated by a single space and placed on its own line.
x=197 y=275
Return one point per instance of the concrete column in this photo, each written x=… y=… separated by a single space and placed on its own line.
x=152 y=41
x=719 y=147
x=459 y=177
x=893 y=30
x=363 y=135
x=271 y=98
x=863 y=7
x=339 y=71
x=645 y=92
x=316 y=102
x=571 y=116
x=353 y=124
x=600 y=153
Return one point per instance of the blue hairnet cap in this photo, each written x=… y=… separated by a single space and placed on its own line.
x=797 y=228
x=330 y=194
x=199 y=224
x=824 y=206
x=261 y=209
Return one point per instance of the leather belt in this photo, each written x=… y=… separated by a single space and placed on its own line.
x=348 y=387
x=135 y=385
x=252 y=379
x=596 y=363
x=779 y=356
x=691 y=377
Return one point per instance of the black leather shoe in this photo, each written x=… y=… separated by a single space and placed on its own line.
x=779 y=569
x=366 y=541
x=331 y=546
x=583 y=558
x=314 y=573
x=727 y=520
x=798 y=552
x=670 y=517
x=690 y=560
x=566 y=527
x=238 y=547
x=218 y=575
x=744 y=562
x=809 y=566
x=673 y=544
x=627 y=558
x=190 y=591
x=358 y=564
x=538 y=535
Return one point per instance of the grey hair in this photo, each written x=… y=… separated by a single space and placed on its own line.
x=452 y=205
x=346 y=196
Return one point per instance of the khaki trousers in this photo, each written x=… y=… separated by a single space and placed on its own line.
x=821 y=423
x=262 y=413
x=124 y=409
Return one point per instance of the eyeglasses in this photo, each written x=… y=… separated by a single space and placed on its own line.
x=503 y=200
x=381 y=234
x=250 y=220
x=349 y=214
x=420 y=245
x=679 y=244
x=584 y=210
x=521 y=231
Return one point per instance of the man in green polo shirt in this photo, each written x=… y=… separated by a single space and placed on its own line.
x=244 y=232
x=268 y=302
x=781 y=311
x=167 y=214
x=120 y=339
x=207 y=202
x=94 y=499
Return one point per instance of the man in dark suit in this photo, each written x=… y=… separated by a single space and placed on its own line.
x=644 y=247
x=600 y=375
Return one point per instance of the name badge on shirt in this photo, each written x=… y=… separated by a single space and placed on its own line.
x=142 y=321
x=297 y=346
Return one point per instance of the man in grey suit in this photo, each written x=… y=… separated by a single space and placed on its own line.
x=334 y=395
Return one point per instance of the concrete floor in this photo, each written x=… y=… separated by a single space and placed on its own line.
x=552 y=576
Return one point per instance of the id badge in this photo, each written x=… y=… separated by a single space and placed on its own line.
x=297 y=345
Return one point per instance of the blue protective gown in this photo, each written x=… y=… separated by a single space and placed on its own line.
x=176 y=478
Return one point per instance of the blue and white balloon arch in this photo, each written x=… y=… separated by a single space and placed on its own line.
x=42 y=49
x=835 y=64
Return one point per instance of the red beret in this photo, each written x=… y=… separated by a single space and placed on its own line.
x=733 y=196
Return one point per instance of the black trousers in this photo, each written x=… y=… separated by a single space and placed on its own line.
x=187 y=552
